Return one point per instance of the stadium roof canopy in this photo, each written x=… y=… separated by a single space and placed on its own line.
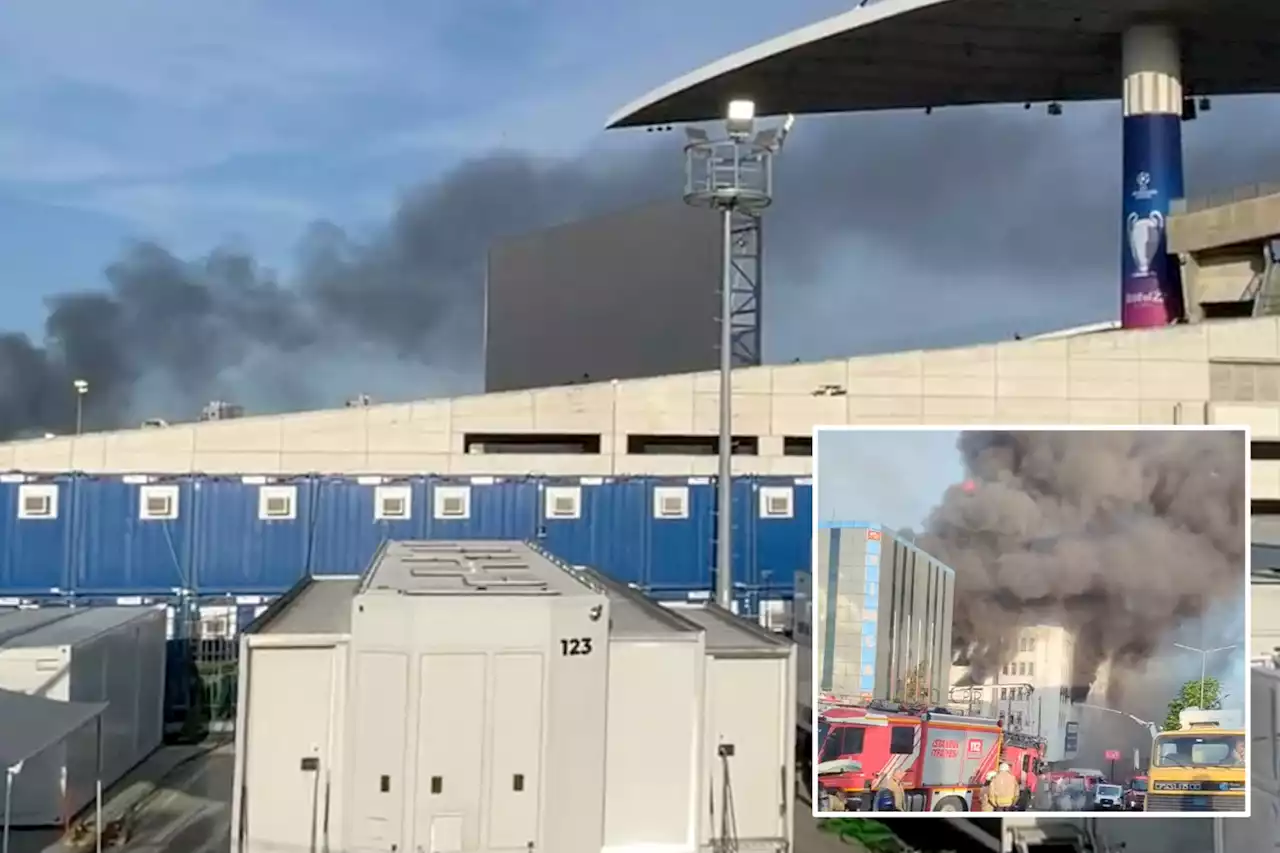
x=900 y=54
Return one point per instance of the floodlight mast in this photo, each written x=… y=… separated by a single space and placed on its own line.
x=733 y=175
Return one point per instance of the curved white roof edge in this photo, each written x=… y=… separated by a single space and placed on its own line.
x=1087 y=329
x=857 y=17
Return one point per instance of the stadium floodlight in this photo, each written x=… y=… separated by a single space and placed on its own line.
x=733 y=175
x=82 y=388
x=740 y=119
x=771 y=138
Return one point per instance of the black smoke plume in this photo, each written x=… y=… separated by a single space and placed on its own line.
x=162 y=334
x=1119 y=537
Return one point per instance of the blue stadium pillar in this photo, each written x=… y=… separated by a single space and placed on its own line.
x=1151 y=281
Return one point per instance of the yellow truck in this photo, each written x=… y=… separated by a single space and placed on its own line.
x=1200 y=766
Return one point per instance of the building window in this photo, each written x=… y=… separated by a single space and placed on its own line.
x=1031 y=668
x=1004 y=692
x=1031 y=644
x=1022 y=668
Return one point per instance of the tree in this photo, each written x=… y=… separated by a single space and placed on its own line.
x=1189 y=696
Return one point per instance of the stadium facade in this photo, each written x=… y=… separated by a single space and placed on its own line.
x=1221 y=372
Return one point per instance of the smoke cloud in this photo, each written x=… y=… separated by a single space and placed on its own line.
x=1120 y=537
x=162 y=334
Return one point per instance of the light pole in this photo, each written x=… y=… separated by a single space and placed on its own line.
x=1204 y=665
x=731 y=175
x=82 y=388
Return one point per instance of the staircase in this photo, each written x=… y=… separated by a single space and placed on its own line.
x=1265 y=286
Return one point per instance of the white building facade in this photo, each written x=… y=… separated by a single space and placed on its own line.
x=1031 y=691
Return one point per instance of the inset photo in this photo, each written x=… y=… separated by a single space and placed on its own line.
x=1036 y=620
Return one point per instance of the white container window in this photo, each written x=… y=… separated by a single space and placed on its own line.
x=158 y=503
x=563 y=502
x=392 y=503
x=671 y=502
x=452 y=503
x=777 y=502
x=38 y=501
x=277 y=503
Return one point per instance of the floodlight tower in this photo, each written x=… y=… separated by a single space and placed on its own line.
x=733 y=174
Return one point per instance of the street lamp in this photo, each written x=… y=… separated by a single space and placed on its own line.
x=82 y=388
x=1204 y=664
x=731 y=175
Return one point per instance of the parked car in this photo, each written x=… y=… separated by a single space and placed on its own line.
x=1107 y=797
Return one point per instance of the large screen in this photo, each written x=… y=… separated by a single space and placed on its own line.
x=621 y=296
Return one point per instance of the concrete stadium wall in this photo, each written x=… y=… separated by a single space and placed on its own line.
x=1225 y=372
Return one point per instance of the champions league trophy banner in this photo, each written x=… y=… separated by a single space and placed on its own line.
x=1151 y=280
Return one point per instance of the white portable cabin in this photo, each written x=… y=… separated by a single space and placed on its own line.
x=462 y=709
x=417 y=706
x=747 y=743
x=750 y=737
x=114 y=655
x=655 y=784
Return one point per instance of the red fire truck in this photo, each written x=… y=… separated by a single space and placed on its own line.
x=945 y=757
x=1025 y=756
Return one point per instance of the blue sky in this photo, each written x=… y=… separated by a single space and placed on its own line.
x=888 y=477
x=194 y=123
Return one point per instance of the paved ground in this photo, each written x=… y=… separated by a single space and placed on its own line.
x=1163 y=835
x=1153 y=835
x=180 y=803
x=191 y=813
x=179 y=799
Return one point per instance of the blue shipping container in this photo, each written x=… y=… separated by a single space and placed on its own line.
x=353 y=517
x=680 y=542
x=773 y=528
x=588 y=522
x=482 y=508
x=252 y=537
x=36 y=542
x=650 y=532
x=115 y=536
x=783 y=542
x=131 y=537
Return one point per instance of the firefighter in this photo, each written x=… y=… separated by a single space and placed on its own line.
x=1004 y=789
x=890 y=795
x=984 y=795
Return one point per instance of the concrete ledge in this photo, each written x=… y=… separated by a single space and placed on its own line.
x=1250 y=215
